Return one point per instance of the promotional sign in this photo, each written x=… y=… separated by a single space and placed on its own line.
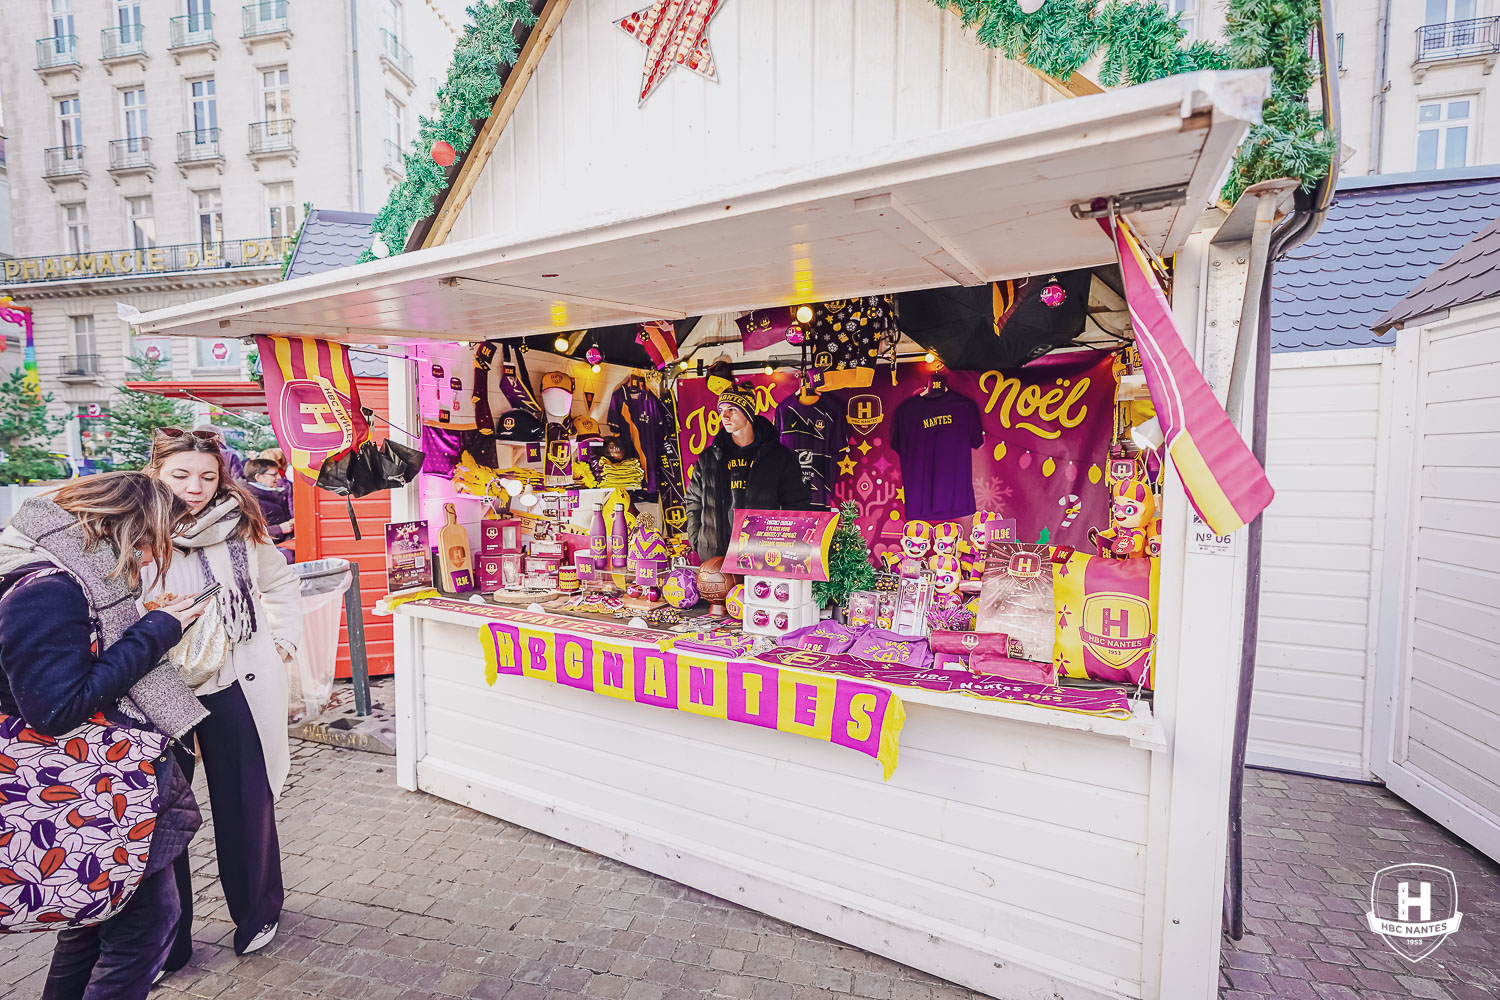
x=408 y=556
x=791 y=544
x=839 y=710
x=313 y=401
x=1047 y=428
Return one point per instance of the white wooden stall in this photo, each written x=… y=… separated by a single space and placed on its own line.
x=1017 y=851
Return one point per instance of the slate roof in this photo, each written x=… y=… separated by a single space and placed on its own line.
x=1468 y=276
x=329 y=240
x=1383 y=235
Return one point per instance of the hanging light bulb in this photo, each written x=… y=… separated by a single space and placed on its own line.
x=561 y=343
x=682 y=365
x=595 y=369
x=804 y=314
x=929 y=357
x=767 y=369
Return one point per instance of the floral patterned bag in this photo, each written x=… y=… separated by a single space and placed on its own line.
x=76 y=817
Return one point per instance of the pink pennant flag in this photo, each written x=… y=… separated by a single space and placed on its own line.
x=1224 y=482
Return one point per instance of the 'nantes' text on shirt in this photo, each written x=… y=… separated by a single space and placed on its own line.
x=935 y=421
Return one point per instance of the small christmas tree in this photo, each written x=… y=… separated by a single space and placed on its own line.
x=849 y=566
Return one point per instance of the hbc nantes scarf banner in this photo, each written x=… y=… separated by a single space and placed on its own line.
x=627 y=664
x=312 y=398
x=1224 y=482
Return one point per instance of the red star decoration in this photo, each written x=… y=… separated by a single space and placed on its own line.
x=675 y=33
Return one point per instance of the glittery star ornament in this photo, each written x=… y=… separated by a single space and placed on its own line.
x=675 y=33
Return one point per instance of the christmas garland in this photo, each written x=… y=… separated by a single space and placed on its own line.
x=463 y=103
x=1141 y=41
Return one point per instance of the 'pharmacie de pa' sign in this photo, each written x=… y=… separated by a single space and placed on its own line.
x=153 y=260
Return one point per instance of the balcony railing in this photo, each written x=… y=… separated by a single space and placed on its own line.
x=62 y=161
x=199 y=144
x=79 y=365
x=393 y=52
x=123 y=42
x=394 y=161
x=1458 y=39
x=190 y=31
x=271 y=137
x=130 y=154
x=266 y=17
x=59 y=50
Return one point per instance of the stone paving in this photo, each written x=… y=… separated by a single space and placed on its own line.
x=398 y=896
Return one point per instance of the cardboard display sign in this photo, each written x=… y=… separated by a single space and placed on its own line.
x=790 y=544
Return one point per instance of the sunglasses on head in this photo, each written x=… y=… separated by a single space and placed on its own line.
x=177 y=432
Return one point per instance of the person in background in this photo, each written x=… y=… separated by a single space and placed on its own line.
x=70 y=562
x=244 y=742
x=274 y=496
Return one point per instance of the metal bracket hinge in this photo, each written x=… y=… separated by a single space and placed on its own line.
x=1148 y=200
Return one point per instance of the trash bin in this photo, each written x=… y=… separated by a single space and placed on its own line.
x=310 y=677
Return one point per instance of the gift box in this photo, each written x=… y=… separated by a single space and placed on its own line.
x=541 y=566
x=769 y=592
x=498 y=536
x=864 y=607
x=488 y=568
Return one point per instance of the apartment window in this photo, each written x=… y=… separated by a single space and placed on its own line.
x=133 y=105
x=1443 y=129
x=390 y=17
x=1447 y=11
x=140 y=220
x=128 y=19
x=62 y=21
x=1187 y=16
x=395 y=121
x=208 y=206
x=70 y=126
x=93 y=431
x=200 y=15
x=218 y=353
x=76 y=227
x=276 y=94
x=84 y=341
x=281 y=208
x=204 y=102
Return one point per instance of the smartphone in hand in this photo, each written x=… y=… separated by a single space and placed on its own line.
x=204 y=595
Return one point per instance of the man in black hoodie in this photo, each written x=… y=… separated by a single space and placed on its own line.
x=746 y=468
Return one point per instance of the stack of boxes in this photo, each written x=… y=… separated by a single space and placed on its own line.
x=499 y=554
x=775 y=607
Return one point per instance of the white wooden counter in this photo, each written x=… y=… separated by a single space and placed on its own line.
x=1007 y=852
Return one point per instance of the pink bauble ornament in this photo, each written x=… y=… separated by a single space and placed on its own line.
x=1053 y=294
x=593 y=356
x=442 y=153
x=795 y=335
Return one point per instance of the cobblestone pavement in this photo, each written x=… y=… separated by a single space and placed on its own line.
x=398 y=896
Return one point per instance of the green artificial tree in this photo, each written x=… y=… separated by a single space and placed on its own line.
x=134 y=416
x=849 y=566
x=28 y=433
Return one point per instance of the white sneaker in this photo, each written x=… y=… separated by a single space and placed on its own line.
x=262 y=939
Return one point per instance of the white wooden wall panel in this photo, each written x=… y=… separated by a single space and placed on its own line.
x=798 y=82
x=1321 y=563
x=1444 y=685
x=1026 y=840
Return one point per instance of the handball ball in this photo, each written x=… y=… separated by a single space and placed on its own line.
x=713 y=583
x=734 y=604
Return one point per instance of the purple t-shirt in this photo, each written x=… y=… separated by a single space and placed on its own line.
x=935 y=435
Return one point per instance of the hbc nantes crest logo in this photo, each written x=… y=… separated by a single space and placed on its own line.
x=316 y=416
x=1414 y=907
x=864 y=413
x=1116 y=629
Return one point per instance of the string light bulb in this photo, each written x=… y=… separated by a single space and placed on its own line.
x=929 y=357
x=594 y=368
x=767 y=369
x=561 y=343
x=804 y=314
x=1031 y=6
x=682 y=366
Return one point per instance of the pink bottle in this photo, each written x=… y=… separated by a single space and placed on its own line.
x=618 y=542
x=598 y=540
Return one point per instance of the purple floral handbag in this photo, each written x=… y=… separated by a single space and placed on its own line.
x=76 y=817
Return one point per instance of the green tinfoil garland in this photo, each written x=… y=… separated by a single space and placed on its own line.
x=1139 y=40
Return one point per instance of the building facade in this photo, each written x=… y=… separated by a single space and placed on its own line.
x=164 y=150
x=1414 y=77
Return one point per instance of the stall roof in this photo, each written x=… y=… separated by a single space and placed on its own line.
x=980 y=202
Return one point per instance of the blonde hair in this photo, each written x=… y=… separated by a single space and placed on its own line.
x=131 y=512
x=275 y=455
x=252 y=526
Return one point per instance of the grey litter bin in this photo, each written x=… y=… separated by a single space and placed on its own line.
x=324 y=576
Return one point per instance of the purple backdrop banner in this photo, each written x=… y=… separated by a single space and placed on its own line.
x=1046 y=426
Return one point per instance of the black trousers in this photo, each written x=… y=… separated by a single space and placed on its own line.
x=245 y=842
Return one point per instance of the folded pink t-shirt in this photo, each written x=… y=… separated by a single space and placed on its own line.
x=893 y=648
x=826 y=637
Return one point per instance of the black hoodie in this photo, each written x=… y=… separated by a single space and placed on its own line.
x=774 y=482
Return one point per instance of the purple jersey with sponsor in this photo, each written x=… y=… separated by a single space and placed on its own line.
x=816 y=437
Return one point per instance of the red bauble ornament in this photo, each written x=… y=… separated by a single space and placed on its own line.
x=593 y=356
x=1053 y=294
x=443 y=154
x=795 y=335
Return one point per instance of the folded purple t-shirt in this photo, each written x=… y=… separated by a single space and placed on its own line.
x=825 y=637
x=893 y=648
